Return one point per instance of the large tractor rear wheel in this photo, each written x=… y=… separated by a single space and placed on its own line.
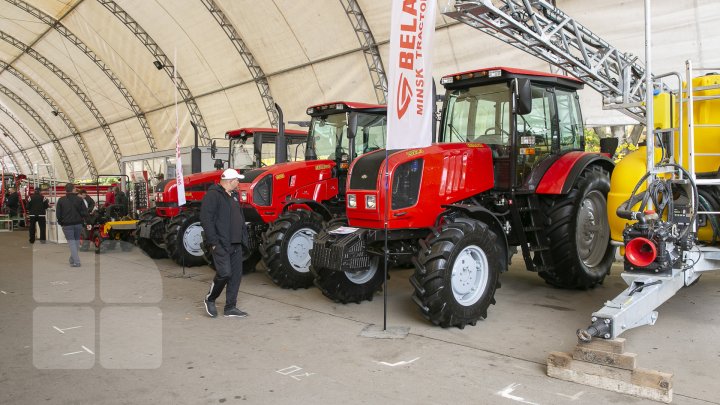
x=345 y=287
x=184 y=239
x=579 y=232
x=150 y=245
x=457 y=273
x=286 y=248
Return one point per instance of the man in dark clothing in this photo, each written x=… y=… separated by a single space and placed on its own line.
x=37 y=204
x=225 y=233
x=89 y=202
x=119 y=208
x=71 y=213
x=13 y=201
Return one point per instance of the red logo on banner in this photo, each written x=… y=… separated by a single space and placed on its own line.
x=404 y=95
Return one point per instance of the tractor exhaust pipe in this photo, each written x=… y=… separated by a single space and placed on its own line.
x=281 y=155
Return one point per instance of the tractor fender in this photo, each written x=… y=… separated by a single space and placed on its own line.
x=314 y=205
x=561 y=175
x=482 y=214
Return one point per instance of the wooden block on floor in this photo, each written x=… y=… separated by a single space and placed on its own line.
x=642 y=383
x=616 y=345
x=626 y=361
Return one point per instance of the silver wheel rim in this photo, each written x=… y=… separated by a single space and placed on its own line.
x=469 y=275
x=593 y=231
x=299 y=246
x=192 y=239
x=362 y=277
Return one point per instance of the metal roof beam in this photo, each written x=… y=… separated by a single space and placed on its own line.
x=17 y=145
x=30 y=135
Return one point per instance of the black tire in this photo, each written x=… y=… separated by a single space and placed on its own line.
x=286 y=244
x=349 y=287
x=440 y=277
x=582 y=213
x=183 y=239
x=147 y=245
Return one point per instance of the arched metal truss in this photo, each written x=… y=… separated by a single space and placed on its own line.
x=17 y=145
x=369 y=47
x=62 y=30
x=55 y=107
x=257 y=73
x=81 y=94
x=10 y=155
x=30 y=135
x=167 y=64
x=58 y=146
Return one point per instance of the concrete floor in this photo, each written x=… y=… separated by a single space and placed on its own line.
x=126 y=329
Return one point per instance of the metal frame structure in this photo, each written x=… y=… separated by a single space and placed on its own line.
x=27 y=131
x=62 y=30
x=167 y=64
x=81 y=94
x=58 y=146
x=17 y=145
x=369 y=48
x=542 y=30
x=256 y=71
x=10 y=155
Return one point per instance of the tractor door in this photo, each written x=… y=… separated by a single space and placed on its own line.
x=535 y=134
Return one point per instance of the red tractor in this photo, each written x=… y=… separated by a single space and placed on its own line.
x=172 y=231
x=287 y=204
x=508 y=169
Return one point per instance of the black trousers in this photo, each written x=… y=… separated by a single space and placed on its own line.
x=228 y=273
x=40 y=219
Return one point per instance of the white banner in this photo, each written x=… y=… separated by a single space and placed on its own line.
x=410 y=100
x=178 y=159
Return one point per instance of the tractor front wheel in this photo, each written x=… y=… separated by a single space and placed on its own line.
x=457 y=273
x=184 y=240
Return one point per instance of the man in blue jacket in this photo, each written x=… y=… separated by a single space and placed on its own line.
x=71 y=213
x=225 y=233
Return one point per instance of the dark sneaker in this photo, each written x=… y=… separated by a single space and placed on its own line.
x=210 y=308
x=235 y=313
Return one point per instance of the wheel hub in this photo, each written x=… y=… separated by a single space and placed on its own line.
x=192 y=239
x=592 y=233
x=469 y=276
x=298 y=251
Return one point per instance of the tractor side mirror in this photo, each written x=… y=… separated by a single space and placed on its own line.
x=213 y=150
x=219 y=164
x=523 y=94
x=609 y=145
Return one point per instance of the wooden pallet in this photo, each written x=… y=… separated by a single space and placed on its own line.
x=605 y=364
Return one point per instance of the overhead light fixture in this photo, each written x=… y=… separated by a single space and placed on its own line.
x=54 y=112
x=159 y=65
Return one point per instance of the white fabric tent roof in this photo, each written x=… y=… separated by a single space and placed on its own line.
x=60 y=94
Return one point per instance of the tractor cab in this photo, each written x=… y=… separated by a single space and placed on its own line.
x=527 y=119
x=255 y=147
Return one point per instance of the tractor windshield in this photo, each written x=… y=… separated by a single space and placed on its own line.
x=478 y=114
x=329 y=135
x=241 y=153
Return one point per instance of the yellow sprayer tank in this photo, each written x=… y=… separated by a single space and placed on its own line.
x=707 y=140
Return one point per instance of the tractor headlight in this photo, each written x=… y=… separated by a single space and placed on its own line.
x=406 y=184
x=370 y=202
x=351 y=201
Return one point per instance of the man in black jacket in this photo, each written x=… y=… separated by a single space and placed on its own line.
x=89 y=201
x=37 y=204
x=225 y=232
x=71 y=213
x=13 y=201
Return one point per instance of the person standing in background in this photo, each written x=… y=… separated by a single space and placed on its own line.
x=37 y=206
x=89 y=201
x=12 y=201
x=71 y=213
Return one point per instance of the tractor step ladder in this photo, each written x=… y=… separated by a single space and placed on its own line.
x=542 y=30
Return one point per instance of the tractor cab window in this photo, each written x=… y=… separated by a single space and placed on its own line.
x=241 y=153
x=535 y=128
x=328 y=134
x=479 y=114
x=370 y=133
x=570 y=120
x=296 y=148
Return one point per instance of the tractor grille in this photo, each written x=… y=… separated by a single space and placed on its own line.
x=340 y=252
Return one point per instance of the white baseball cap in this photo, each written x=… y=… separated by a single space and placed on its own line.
x=230 y=174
